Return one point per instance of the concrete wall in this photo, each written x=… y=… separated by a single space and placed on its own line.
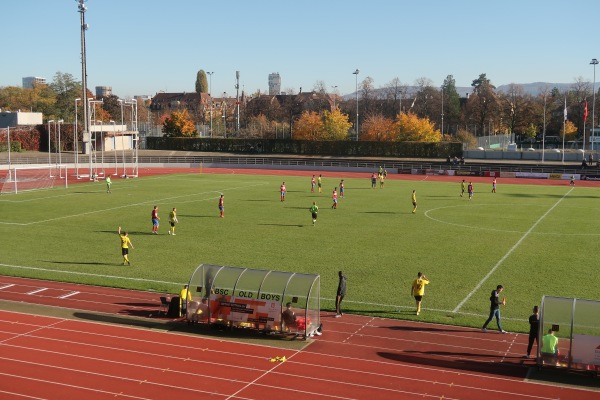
x=549 y=155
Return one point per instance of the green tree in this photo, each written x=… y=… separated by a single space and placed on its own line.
x=451 y=100
x=179 y=124
x=201 y=82
x=482 y=103
x=67 y=89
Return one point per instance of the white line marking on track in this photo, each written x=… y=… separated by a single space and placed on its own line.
x=501 y=261
x=7 y=286
x=68 y=295
x=37 y=291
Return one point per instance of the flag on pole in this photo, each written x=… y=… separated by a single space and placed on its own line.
x=565 y=109
x=585 y=112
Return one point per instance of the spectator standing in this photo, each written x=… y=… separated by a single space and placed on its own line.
x=534 y=329
x=341 y=292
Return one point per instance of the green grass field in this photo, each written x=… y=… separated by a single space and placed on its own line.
x=534 y=240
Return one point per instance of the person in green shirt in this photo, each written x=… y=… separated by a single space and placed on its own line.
x=108 y=183
x=314 y=210
x=549 y=347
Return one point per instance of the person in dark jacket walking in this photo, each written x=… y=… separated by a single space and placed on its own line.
x=495 y=303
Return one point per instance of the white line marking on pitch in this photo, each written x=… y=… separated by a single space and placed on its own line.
x=481 y=282
x=37 y=291
x=7 y=286
x=68 y=295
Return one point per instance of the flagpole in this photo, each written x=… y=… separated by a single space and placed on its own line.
x=584 y=119
x=564 y=131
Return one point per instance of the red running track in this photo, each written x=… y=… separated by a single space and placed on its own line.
x=357 y=357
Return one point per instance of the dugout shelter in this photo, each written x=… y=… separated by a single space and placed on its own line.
x=576 y=324
x=253 y=298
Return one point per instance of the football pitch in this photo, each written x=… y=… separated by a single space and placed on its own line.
x=534 y=240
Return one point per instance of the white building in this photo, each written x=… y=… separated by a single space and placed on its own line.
x=14 y=119
x=29 y=81
x=274 y=84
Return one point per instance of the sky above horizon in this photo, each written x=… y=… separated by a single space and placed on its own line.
x=143 y=47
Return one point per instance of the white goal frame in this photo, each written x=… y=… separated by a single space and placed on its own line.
x=49 y=177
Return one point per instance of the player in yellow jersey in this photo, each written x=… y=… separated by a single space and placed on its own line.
x=414 y=201
x=125 y=244
x=173 y=221
x=418 y=289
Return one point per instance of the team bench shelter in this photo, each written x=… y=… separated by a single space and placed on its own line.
x=255 y=299
x=576 y=324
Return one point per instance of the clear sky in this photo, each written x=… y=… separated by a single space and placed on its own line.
x=140 y=47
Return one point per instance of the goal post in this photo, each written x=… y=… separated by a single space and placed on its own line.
x=21 y=178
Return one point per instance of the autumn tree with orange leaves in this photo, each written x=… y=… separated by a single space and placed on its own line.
x=409 y=127
x=327 y=126
x=179 y=124
x=377 y=128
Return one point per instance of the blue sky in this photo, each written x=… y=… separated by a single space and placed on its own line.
x=140 y=47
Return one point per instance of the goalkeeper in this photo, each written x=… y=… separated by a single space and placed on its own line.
x=173 y=221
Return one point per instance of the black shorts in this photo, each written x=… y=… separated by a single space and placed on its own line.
x=314 y=215
x=418 y=298
x=172 y=223
x=124 y=251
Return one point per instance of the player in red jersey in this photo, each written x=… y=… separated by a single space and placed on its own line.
x=313 y=183
x=282 y=190
x=335 y=198
x=222 y=207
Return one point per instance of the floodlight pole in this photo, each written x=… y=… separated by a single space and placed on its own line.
x=76 y=140
x=86 y=122
x=594 y=62
x=114 y=144
x=334 y=90
x=8 y=140
x=356 y=125
x=210 y=74
x=49 y=151
x=59 y=159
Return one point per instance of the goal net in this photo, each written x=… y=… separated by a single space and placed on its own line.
x=22 y=178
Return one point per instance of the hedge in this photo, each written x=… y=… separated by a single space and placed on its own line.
x=309 y=148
